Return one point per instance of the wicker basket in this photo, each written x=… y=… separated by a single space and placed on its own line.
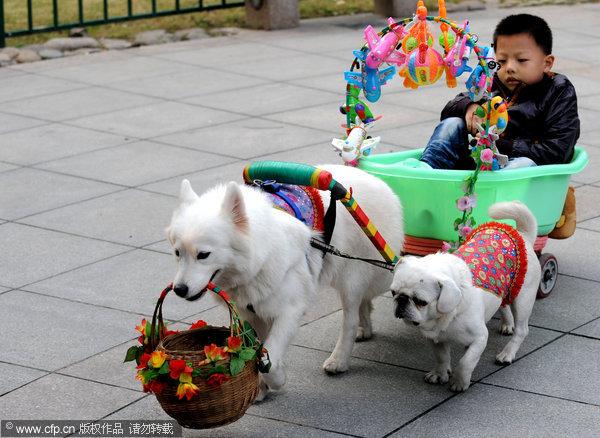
x=211 y=407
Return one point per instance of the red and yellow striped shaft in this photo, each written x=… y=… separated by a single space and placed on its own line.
x=369 y=229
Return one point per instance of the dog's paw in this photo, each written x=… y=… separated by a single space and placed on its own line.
x=437 y=377
x=334 y=366
x=506 y=329
x=505 y=358
x=362 y=334
x=263 y=391
x=459 y=384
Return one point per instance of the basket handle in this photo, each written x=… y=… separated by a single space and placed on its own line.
x=157 y=329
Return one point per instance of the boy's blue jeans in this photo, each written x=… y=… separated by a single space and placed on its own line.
x=448 y=148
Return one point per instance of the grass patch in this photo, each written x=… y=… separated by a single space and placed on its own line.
x=15 y=12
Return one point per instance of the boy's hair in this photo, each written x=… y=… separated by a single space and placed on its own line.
x=526 y=23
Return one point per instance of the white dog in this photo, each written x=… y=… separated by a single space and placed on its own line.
x=262 y=257
x=441 y=296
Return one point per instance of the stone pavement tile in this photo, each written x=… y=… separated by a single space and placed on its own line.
x=30 y=85
x=129 y=68
x=395 y=343
x=14 y=376
x=591 y=329
x=249 y=426
x=564 y=369
x=57 y=397
x=247 y=138
x=589 y=175
x=371 y=400
x=130 y=282
x=333 y=83
x=51 y=142
x=574 y=253
x=77 y=103
x=131 y=217
x=107 y=367
x=328 y=118
x=588 y=202
x=590 y=224
x=153 y=120
x=70 y=61
x=32 y=254
x=233 y=54
x=29 y=191
x=13 y=122
x=491 y=411
x=410 y=136
x=297 y=66
x=189 y=82
x=49 y=333
x=313 y=155
x=572 y=303
x=5 y=167
x=265 y=99
x=135 y=163
x=584 y=87
x=586 y=102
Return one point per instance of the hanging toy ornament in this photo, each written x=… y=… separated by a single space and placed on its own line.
x=446 y=41
x=424 y=65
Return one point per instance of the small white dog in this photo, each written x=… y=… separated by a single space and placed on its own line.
x=452 y=296
x=262 y=257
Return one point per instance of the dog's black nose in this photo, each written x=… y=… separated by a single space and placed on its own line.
x=401 y=303
x=180 y=290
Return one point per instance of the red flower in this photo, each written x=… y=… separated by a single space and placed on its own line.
x=213 y=354
x=216 y=379
x=143 y=361
x=234 y=344
x=198 y=324
x=187 y=390
x=176 y=367
x=170 y=332
x=157 y=386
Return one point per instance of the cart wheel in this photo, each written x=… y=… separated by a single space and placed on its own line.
x=549 y=266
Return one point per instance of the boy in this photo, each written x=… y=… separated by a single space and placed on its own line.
x=542 y=106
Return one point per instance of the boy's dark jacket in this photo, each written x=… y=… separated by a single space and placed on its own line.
x=543 y=125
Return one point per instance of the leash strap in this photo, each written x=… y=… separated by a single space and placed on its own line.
x=326 y=248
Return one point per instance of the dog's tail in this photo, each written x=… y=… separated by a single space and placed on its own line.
x=517 y=211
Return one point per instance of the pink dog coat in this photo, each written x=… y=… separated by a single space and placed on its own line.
x=495 y=253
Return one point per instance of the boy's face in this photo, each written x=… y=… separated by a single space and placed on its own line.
x=521 y=60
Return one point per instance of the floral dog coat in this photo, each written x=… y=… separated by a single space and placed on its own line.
x=495 y=253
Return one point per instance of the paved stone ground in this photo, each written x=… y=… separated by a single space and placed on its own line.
x=92 y=150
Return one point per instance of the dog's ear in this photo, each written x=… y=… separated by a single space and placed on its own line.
x=168 y=234
x=186 y=193
x=234 y=207
x=450 y=295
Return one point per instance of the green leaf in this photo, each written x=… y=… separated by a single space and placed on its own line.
x=247 y=354
x=165 y=368
x=236 y=366
x=132 y=353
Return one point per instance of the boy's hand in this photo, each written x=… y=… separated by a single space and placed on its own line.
x=471 y=119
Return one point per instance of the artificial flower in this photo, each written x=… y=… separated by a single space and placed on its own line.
x=158 y=386
x=467 y=202
x=213 y=354
x=157 y=359
x=176 y=367
x=187 y=390
x=216 y=379
x=234 y=344
x=198 y=324
x=143 y=361
x=487 y=156
x=446 y=247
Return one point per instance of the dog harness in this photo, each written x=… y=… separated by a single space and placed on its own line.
x=495 y=253
x=304 y=203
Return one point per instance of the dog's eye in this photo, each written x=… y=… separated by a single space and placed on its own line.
x=202 y=255
x=176 y=253
x=419 y=302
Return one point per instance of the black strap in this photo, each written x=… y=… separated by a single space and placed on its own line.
x=326 y=248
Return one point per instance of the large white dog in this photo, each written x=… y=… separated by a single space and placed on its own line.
x=439 y=295
x=262 y=257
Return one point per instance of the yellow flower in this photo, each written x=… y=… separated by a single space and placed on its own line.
x=157 y=359
x=187 y=390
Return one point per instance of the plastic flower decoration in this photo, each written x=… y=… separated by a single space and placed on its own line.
x=157 y=372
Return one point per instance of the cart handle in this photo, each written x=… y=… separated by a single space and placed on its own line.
x=294 y=173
